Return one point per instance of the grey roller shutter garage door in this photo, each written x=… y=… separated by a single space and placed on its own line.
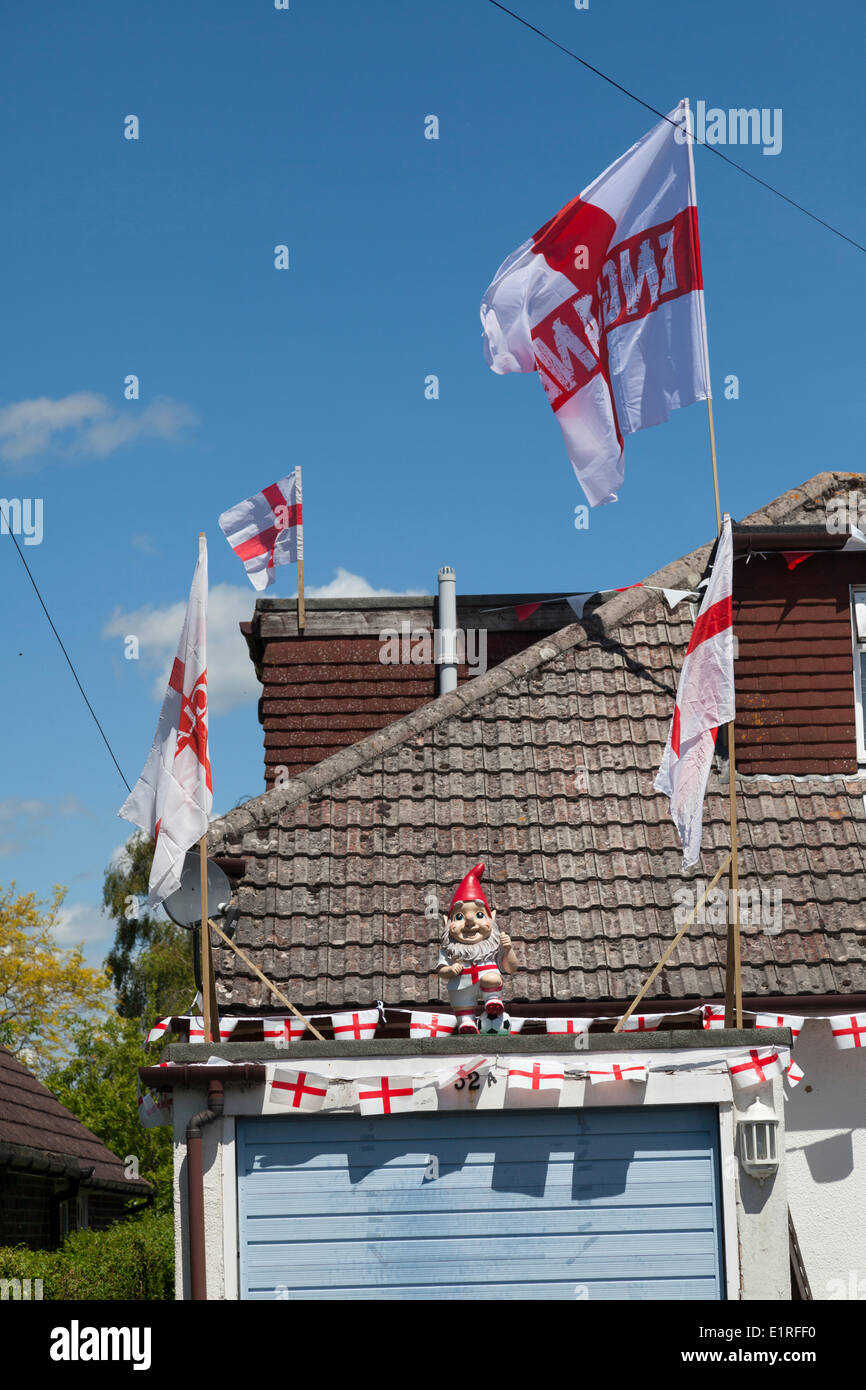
x=547 y=1204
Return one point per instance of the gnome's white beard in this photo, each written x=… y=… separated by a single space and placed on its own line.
x=477 y=952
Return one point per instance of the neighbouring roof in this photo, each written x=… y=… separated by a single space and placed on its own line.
x=35 y=1127
x=543 y=768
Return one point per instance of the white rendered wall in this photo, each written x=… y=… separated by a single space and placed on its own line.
x=825 y=1119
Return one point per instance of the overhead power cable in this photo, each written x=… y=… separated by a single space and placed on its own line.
x=663 y=116
x=63 y=649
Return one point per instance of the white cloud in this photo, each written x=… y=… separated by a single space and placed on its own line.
x=231 y=678
x=348 y=585
x=83 y=922
x=85 y=423
x=23 y=819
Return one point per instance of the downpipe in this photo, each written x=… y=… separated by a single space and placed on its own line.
x=195 y=1188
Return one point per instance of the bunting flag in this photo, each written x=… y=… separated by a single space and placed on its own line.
x=385 y=1095
x=849 y=1030
x=792 y=1021
x=642 y=1023
x=267 y=530
x=605 y=302
x=618 y=1071
x=714 y=1016
x=535 y=1075
x=431 y=1025
x=154 y=1109
x=761 y=1064
x=793 y=1074
x=705 y=700
x=568 y=1025
x=159 y=1028
x=281 y=1030
x=358 y=1026
x=172 y=798
x=299 y=1090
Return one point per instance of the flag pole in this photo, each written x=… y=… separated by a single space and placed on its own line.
x=208 y=988
x=733 y=981
x=302 y=617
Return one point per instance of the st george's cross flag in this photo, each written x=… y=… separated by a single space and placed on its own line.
x=267 y=530
x=172 y=798
x=705 y=700
x=606 y=303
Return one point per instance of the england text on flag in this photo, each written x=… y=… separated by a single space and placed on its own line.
x=705 y=700
x=606 y=303
x=267 y=530
x=172 y=798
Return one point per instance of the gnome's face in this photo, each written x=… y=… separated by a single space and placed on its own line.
x=469 y=923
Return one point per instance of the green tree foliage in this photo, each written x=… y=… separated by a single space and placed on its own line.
x=44 y=989
x=100 y=1086
x=151 y=961
x=133 y=1260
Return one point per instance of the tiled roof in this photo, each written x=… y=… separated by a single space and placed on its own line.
x=543 y=768
x=34 y=1123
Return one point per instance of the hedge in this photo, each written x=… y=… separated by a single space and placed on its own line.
x=132 y=1260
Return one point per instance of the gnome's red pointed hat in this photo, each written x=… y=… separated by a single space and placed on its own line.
x=470 y=889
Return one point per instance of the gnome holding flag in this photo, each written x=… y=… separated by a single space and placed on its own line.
x=474 y=955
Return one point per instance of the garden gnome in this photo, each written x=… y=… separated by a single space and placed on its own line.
x=474 y=955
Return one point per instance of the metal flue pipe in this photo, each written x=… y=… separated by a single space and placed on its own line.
x=446 y=644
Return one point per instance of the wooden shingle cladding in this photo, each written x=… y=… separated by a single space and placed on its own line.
x=543 y=768
x=329 y=688
x=794 y=668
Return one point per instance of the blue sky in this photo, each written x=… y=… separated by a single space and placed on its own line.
x=306 y=127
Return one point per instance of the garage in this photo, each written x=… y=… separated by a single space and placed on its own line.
x=605 y=1203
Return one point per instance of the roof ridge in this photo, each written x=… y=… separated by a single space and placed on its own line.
x=611 y=615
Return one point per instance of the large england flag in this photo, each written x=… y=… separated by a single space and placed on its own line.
x=267 y=530
x=172 y=798
x=606 y=303
x=705 y=700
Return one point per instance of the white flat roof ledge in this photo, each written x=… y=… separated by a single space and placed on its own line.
x=491 y=1044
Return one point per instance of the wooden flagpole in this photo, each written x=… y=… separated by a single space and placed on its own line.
x=679 y=936
x=264 y=979
x=209 y=1008
x=733 y=981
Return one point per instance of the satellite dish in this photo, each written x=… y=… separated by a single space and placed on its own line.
x=184 y=904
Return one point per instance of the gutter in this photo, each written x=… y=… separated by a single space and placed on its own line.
x=195 y=1180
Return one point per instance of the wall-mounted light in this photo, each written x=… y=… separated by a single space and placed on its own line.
x=758 y=1148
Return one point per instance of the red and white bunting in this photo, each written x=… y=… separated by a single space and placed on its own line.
x=355 y=1026
x=196 y=1029
x=535 y=1076
x=159 y=1028
x=704 y=701
x=849 y=1030
x=568 y=1025
x=298 y=1090
x=154 y=1108
x=761 y=1064
x=714 y=1016
x=618 y=1071
x=267 y=530
x=227 y=1027
x=518 y=1024
x=282 y=1030
x=794 y=1075
x=385 y=1095
x=792 y=1021
x=431 y=1025
x=642 y=1023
